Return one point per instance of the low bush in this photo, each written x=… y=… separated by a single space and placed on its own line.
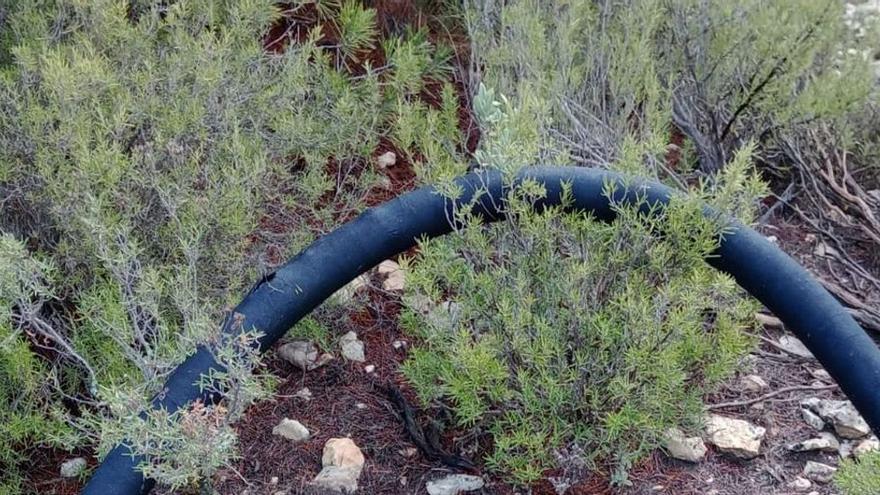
x=552 y=330
x=859 y=476
x=159 y=159
x=560 y=331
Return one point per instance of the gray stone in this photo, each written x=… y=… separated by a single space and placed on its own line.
x=794 y=346
x=846 y=449
x=352 y=348
x=865 y=446
x=395 y=279
x=303 y=354
x=753 y=383
x=386 y=159
x=454 y=484
x=291 y=430
x=826 y=442
x=734 y=436
x=812 y=419
x=821 y=374
x=818 y=472
x=73 y=467
x=346 y=294
x=342 y=463
x=841 y=414
x=678 y=446
x=768 y=320
x=337 y=479
x=800 y=484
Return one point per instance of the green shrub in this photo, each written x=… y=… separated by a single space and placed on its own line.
x=563 y=330
x=27 y=413
x=597 y=82
x=859 y=476
x=554 y=329
x=143 y=146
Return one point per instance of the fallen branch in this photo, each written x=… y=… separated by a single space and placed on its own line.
x=770 y=395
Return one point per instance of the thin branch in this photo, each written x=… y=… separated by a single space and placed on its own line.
x=770 y=395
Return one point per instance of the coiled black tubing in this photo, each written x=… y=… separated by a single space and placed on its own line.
x=284 y=297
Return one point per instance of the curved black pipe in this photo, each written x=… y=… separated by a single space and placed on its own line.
x=280 y=300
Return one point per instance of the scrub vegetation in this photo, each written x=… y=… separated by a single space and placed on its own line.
x=158 y=157
x=144 y=145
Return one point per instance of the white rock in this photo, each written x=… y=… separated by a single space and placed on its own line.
x=291 y=429
x=395 y=279
x=352 y=348
x=408 y=452
x=73 y=467
x=841 y=414
x=397 y=344
x=342 y=452
x=826 y=442
x=387 y=267
x=846 y=449
x=678 y=446
x=300 y=353
x=812 y=419
x=386 y=159
x=342 y=463
x=454 y=484
x=734 y=436
x=865 y=446
x=346 y=294
x=370 y=368
x=753 y=383
x=304 y=394
x=818 y=472
x=794 y=346
x=821 y=374
x=360 y=405
x=800 y=484
x=769 y=321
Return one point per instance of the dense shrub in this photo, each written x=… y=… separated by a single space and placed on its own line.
x=859 y=476
x=141 y=146
x=597 y=82
x=556 y=329
x=561 y=331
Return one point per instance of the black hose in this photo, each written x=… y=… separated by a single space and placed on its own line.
x=283 y=298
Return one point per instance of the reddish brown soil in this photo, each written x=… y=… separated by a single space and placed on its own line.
x=43 y=475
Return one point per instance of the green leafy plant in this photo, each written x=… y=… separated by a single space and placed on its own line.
x=859 y=476
x=552 y=329
x=155 y=159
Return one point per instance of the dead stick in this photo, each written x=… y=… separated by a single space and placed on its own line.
x=725 y=405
